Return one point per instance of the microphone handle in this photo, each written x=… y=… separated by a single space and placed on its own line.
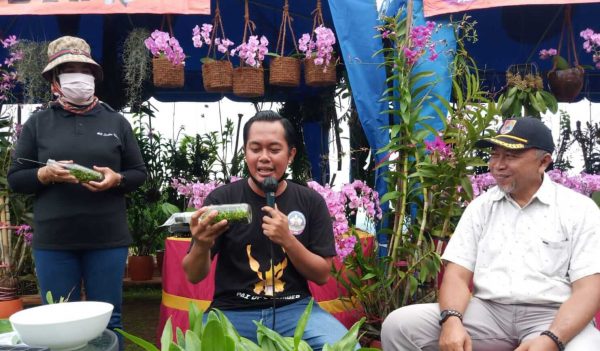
x=271 y=199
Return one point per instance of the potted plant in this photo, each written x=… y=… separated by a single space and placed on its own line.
x=217 y=333
x=216 y=73
x=36 y=89
x=168 y=60
x=565 y=78
x=285 y=70
x=319 y=62
x=426 y=171
x=524 y=94
x=248 y=78
x=147 y=207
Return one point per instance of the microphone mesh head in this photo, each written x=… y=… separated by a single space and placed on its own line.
x=269 y=185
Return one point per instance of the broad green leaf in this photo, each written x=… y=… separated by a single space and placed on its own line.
x=167 y=335
x=192 y=341
x=213 y=337
x=5 y=326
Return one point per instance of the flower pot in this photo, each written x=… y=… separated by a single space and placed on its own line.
x=8 y=307
x=317 y=75
x=248 y=82
x=140 y=268
x=284 y=72
x=566 y=84
x=217 y=76
x=165 y=74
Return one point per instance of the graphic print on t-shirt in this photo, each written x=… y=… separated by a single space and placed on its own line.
x=265 y=284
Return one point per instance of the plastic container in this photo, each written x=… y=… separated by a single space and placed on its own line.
x=233 y=213
x=83 y=174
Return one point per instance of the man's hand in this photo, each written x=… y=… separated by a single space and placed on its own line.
x=454 y=336
x=111 y=180
x=541 y=343
x=56 y=174
x=204 y=231
x=275 y=226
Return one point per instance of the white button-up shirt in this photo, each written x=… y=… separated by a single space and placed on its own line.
x=530 y=254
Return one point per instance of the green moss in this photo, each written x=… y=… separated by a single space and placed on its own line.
x=86 y=176
x=239 y=216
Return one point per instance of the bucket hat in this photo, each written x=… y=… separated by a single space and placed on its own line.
x=70 y=49
x=521 y=133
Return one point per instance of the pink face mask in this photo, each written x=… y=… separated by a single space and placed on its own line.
x=77 y=88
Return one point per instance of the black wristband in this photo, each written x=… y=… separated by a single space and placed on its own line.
x=551 y=335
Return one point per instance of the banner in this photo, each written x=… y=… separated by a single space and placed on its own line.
x=81 y=7
x=438 y=7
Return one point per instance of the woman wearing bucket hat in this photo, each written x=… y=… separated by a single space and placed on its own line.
x=81 y=233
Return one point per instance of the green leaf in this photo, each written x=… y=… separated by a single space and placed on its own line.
x=139 y=341
x=560 y=62
x=192 y=341
x=302 y=324
x=167 y=336
x=213 y=337
x=5 y=326
x=195 y=317
x=180 y=337
x=350 y=339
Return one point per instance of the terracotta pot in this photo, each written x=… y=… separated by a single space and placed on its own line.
x=140 y=268
x=8 y=307
x=566 y=84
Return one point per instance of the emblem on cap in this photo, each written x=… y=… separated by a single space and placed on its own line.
x=296 y=222
x=508 y=126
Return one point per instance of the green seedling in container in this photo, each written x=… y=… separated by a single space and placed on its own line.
x=233 y=213
x=83 y=174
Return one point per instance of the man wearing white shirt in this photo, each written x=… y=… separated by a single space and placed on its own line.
x=531 y=248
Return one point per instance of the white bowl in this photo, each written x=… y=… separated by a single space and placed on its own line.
x=62 y=326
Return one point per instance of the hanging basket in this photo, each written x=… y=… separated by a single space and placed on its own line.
x=284 y=72
x=217 y=76
x=248 y=82
x=165 y=74
x=566 y=84
x=314 y=75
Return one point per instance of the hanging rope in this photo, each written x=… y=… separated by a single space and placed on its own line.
x=286 y=22
x=571 y=49
x=249 y=27
x=217 y=26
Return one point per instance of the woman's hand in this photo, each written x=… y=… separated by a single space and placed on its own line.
x=111 y=180
x=56 y=174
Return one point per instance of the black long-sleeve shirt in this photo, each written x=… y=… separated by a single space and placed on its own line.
x=68 y=216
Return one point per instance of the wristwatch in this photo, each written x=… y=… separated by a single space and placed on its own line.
x=445 y=314
x=122 y=181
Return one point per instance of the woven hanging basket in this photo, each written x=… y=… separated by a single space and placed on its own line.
x=566 y=84
x=284 y=72
x=165 y=75
x=248 y=82
x=314 y=75
x=217 y=76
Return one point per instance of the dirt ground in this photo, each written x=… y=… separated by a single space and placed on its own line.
x=141 y=308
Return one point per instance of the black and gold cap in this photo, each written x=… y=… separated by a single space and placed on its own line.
x=521 y=133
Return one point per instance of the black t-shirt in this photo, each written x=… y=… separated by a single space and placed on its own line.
x=243 y=273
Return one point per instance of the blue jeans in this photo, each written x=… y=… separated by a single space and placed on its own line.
x=101 y=271
x=321 y=328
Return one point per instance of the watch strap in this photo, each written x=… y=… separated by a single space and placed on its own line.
x=445 y=314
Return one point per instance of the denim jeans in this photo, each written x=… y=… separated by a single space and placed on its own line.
x=321 y=328
x=101 y=271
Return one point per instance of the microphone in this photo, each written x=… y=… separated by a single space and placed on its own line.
x=269 y=186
